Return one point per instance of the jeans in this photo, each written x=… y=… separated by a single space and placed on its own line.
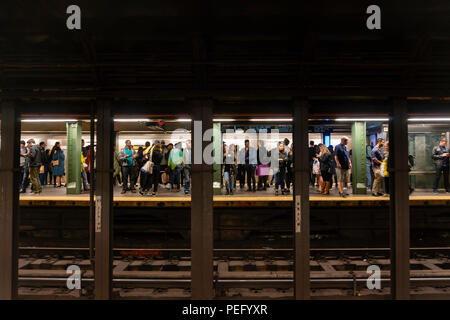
x=84 y=180
x=229 y=181
x=187 y=179
x=34 y=176
x=241 y=175
x=369 y=174
x=146 y=180
x=175 y=178
x=128 y=173
x=24 y=181
x=279 y=178
x=251 y=179
x=437 y=177
x=262 y=182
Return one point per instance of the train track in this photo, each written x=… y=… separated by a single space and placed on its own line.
x=157 y=274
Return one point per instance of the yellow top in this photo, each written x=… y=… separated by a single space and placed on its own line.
x=386 y=172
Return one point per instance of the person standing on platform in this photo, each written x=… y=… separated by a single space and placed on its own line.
x=289 y=162
x=377 y=160
x=343 y=165
x=187 y=167
x=263 y=168
x=36 y=161
x=156 y=157
x=57 y=157
x=440 y=155
x=333 y=174
x=127 y=157
x=312 y=156
x=175 y=164
x=229 y=169
x=369 y=166
x=83 y=173
x=250 y=162
x=23 y=167
x=117 y=167
x=385 y=168
x=326 y=168
x=281 y=170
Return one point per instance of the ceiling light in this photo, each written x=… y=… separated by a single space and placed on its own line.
x=362 y=119
x=50 y=120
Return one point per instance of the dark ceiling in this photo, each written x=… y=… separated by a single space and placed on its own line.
x=228 y=50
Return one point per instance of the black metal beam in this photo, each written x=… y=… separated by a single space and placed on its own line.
x=399 y=200
x=301 y=200
x=9 y=200
x=258 y=93
x=104 y=203
x=201 y=205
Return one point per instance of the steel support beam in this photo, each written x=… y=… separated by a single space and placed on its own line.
x=9 y=200
x=399 y=199
x=301 y=200
x=201 y=205
x=104 y=203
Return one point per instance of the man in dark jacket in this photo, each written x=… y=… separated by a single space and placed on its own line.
x=37 y=158
x=440 y=155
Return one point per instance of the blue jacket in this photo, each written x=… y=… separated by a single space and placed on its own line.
x=59 y=169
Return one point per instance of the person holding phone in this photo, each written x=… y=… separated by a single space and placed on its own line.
x=440 y=155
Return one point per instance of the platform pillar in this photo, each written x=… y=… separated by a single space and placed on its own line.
x=9 y=200
x=301 y=200
x=104 y=202
x=399 y=200
x=74 y=157
x=359 y=158
x=201 y=204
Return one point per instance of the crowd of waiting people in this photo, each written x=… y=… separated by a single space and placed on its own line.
x=169 y=166
x=41 y=166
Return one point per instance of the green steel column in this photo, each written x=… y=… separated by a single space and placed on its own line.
x=217 y=142
x=73 y=158
x=359 y=157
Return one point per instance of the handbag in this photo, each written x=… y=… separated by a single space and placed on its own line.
x=55 y=163
x=263 y=170
x=42 y=169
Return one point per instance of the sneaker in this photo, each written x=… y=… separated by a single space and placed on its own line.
x=435 y=191
x=376 y=194
x=186 y=192
x=133 y=191
x=341 y=194
x=123 y=192
x=276 y=192
x=380 y=194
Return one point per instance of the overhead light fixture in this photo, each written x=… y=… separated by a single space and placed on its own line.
x=50 y=120
x=224 y=120
x=131 y=120
x=429 y=119
x=271 y=120
x=362 y=119
x=183 y=120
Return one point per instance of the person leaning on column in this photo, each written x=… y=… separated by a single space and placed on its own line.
x=440 y=155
